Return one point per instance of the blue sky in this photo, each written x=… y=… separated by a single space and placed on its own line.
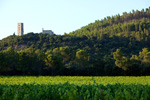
x=60 y=15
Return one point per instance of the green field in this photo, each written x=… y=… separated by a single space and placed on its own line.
x=77 y=80
x=74 y=88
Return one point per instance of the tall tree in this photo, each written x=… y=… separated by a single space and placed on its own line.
x=121 y=61
x=54 y=64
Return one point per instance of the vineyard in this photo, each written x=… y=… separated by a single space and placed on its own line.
x=74 y=88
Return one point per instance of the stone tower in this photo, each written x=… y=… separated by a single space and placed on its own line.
x=20 y=29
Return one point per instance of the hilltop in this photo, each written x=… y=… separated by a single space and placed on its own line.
x=127 y=32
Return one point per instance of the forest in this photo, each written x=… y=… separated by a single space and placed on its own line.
x=116 y=45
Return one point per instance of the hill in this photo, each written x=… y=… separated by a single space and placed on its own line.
x=105 y=47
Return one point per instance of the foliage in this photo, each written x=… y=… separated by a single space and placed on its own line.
x=75 y=91
x=121 y=61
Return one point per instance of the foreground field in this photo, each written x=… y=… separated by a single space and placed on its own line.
x=74 y=88
x=73 y=92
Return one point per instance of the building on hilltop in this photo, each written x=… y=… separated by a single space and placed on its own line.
x=50 y=32
x=20 y=29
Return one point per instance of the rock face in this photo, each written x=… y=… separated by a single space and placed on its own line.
x=20 y=47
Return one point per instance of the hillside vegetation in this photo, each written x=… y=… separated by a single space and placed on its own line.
x=117 y=45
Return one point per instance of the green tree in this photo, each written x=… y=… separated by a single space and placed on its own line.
x=54 y=64
x=23 y=63
x=39 y=61
x=143 y=54
x=11 y=58
x=82 y=58
x=3 y=64
x=65 y=53
x=121 y=61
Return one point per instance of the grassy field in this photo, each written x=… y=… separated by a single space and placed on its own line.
x=74 y=88
x=77 y=80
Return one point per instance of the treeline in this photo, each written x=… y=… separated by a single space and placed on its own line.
x=136 y=64
x=60 y=61
x=93 y=46
x=135 y=26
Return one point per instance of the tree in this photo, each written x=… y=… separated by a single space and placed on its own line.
x=65 y=53
x=23 y=63
x=118 y=54
x=82 y=58
x=39 y=60
x=143 y=54
x=11 y=59
x=53 y=63
x=30 y=51
x=121 y=61
x=3 y=64
x=56 y=52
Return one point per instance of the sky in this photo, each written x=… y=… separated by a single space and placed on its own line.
x=60 y=16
